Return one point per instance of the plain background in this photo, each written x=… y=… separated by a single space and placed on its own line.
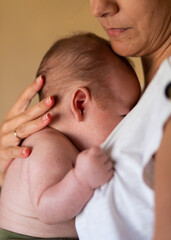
x=27 y=29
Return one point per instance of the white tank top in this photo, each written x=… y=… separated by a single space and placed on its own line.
x=123 y=209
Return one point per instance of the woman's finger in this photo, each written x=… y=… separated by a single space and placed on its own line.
x=10 y=139
x=9 y=154
x=28 y=115
x=27 y=128
x=25 y=97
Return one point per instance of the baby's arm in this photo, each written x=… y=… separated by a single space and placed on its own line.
x=59 y=191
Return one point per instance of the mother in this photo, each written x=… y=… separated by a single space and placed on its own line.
x=135 y=28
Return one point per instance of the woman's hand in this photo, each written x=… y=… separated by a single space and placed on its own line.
x=20 y=122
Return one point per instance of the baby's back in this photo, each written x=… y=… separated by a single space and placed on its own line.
x=15 y=206
x=16 y=210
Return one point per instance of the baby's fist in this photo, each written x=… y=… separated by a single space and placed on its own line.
x=93 y=168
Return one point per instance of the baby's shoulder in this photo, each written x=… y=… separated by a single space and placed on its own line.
x=50 y=138
x=45 y=135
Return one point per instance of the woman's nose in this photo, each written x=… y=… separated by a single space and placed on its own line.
x=102 y=8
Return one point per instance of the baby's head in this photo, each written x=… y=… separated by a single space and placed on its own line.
x=93 y=87
x=78 y=60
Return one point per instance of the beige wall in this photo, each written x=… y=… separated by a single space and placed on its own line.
x=27 y=29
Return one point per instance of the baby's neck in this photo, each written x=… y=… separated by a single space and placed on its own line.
x=71 y=131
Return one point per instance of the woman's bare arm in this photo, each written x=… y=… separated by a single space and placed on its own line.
x=26 y=121
x=162 y=187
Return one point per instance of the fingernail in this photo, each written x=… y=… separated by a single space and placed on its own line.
x=49 y=100
x=39 y=79
x=26 y=152
x=46 y=117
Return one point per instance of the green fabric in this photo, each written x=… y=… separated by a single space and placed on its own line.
x=5 y=235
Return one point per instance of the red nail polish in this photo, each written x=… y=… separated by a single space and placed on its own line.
x=26 y=152
x=49 y=100
x=39 y=80
x=46 y=117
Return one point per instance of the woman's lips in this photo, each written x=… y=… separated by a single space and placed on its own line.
x=115 y=32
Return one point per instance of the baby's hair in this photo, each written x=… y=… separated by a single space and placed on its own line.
x=81 y=60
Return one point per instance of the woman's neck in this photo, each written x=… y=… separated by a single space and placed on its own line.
x=152 y=62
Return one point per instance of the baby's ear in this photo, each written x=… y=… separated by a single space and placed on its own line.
x=79 y=103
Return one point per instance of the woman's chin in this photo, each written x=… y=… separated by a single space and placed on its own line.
x=126 y=49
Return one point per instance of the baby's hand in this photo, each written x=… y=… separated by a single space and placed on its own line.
x=93 y=168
